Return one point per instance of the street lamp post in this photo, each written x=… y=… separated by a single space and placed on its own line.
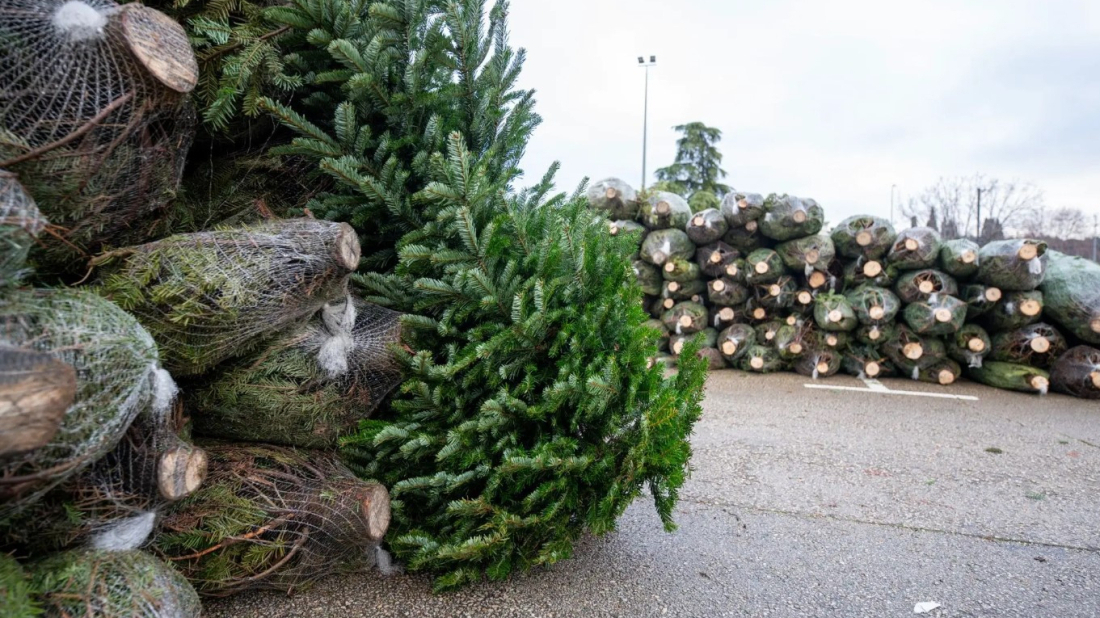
x=892 y=189
x=645 y=115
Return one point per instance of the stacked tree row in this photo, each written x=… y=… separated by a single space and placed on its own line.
x=767 y=290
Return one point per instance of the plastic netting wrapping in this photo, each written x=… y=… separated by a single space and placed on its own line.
x=863 y=236
x=36 y=389
x=910 y=352
x=776 y=295
x=740 y=208
x=614 y=197
x=273 y=518
x=916 y=285
x=818 y=363
x=786 y=217
x=1071 y=290
x=915 y=248
x=805 y=255
x=20 y=224
x=685 y=318
x=1011 y=376
x=727 y=292
x=959 y=257
x=763 y=266
x=665 y=210
x=708 y=338
x=865 y=361
x=1013 y=265
x=210 y=296
x=747 y=238
x=307 y=388
x=713 y=259
x=969 y=345
x=761 y=358
x=680 y=269
x=706 y=226
x=1036 y=344
x=833 y=312
x=873 y=305
x=1077 y=372
x=105 y=584
x=1013 y=310
x=92 y=115
x=943 y=371
x=648 y=276
x=115 y=361
x=940 y=314
x=714 y=359
x=660 y=245
x=735 y=340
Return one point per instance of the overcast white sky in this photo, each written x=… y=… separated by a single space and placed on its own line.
x=833 y=100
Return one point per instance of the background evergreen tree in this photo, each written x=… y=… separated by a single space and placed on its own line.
x=698 y=165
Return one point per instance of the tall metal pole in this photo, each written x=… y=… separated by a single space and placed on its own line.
x=1095 y=229
x=892 y=188
x=645 y=114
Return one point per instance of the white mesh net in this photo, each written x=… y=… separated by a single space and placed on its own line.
x=20 y=224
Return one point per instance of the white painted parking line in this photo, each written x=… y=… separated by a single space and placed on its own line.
x=874 y=386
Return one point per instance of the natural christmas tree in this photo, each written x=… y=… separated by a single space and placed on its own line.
x=529 y=413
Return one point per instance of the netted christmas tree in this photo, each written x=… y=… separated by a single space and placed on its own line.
x=529 y=414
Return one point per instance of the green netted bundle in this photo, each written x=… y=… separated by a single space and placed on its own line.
x=865 y=361
x=762 y=359
x=767 y=331
x=943 y=372
x=734 y=341
x=870 y=272
x=20 y=224
x=664 y=210
x=805 y=255
x=832 y=312
x=713 y=259
x=712 y=357
x=15 y=591
x=875 y=334
x=793 y=340
x=706 y=226
x=307 y=388
x=649 y=277
x=727 y=292
x=106 y=584
x=818 y=363
x=1071 y=290
x=692 y=290
x=969 y=345
x=873 y=305
x=909 y=351
x=721 y=317
x=210 y=296
x=117 y=376
x=802 y=302
x=614 y=198
x=1077 y=373
x=786 y=217
x=918 y=285
x=1038 y=345
x=757 y=312
x=763 y=266
x=273 y=518
x=915 y=248
x=979 y=299
x=1013 y=265
x=1010 y=376
x=863 y=236
x=776 y=295
x=747 y=238
x=959 y=258
x=685 y=318
x=828 y=339
x=940 y=314
x=1014 y=310
x=660 y=245
x=662 y=333
x=740 y=208
x=623 y=227
x=677 y=343
x=680 y=269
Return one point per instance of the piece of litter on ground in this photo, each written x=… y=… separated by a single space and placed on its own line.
x=925 y=607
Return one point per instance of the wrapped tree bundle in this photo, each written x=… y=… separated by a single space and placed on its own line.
x=614 y=198
x=969 y=345
x=832 y=312
x=865 y=361
x=802 y=302
x=210 y=296
x=655 y=306
x=864 y=236
x=662 y=333
x=786 y=217
x=939 y=315
x=117 y=376
x=793 y=340
x=680 y=269
x=1014 y=310
x=763 y=266
x=649 y=277
x=94 y=119
x=831 y=340
x=714 y=258
x=309 y=387
x=1077 y=373
x=713 y=358
x=272 y=518
x=959 y=258
x=723 y=316
x=944 y=372
x=740 y=208
x=808 y=254
x=20 y=224
x=727 y=292
x=875 y=334
x=664 y=210
x=1011 y=377
x=16 y=591
x=909 y=352
x=676 y=342
x=761 y=359
x=624 y=227
x=661 y=245
x=869 y=272
x=1038 y=345
x=918 y=285
x=692 y=290
x=107 y=584
x=818 y=363
x=873 y=305
x=755 y=312
x=747 y=238
x=706 y=227
x=1013 y=265
x=1071 y=290
x=734 y=341
x=915 y=248
x=777 y=295
x=735 y=270
x=766 y=332
x=685 y=318
x=979 y=299
x=36 y=390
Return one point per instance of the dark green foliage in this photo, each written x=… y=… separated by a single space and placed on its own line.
x=833 y=312
x=662 y=333
x=863 y=236
x=706 y=226
x=680 y=269
x=663 y=210
x=16 y=593
x=1014 y=310
x=762 y=359
x=1037 y=345
x=763 y=266
x=740 y=208
x=698 y=162
x=1011 y=377
x=20 y=224
x=804 y=255
x=875 y=334
x=661 y=245
x=969 y=345
x=915 y=248
x=703 y=200
x=793 y=340
x=873 y=305
x=648 y=276
x=1071 y=290
x=855 y=275
x=1077 y=373
x=627 y=228
x=786 y=217
x=863 y=360
x=1013 y=265
x=918 y=285
x=685 y=317
x=766 y=332
x=959 y=257
x=828 y=339
x=706 y=338
x=776 y=295
x=940 y=315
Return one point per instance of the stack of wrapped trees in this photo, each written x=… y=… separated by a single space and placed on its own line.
x=97 y=458
x=767 y=290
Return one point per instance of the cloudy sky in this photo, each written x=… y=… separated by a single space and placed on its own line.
x=835 y=100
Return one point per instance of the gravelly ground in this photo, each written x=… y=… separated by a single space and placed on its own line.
x=818 y=503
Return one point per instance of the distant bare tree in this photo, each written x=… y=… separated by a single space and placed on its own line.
x=952 y=204
x=1060 y=223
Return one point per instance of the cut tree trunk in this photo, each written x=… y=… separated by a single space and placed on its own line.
x=35 y=391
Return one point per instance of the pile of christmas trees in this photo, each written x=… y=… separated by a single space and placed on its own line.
x=768 y=290
x=209 y=387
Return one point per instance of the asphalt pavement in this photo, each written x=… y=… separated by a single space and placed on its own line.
x=818 y=502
